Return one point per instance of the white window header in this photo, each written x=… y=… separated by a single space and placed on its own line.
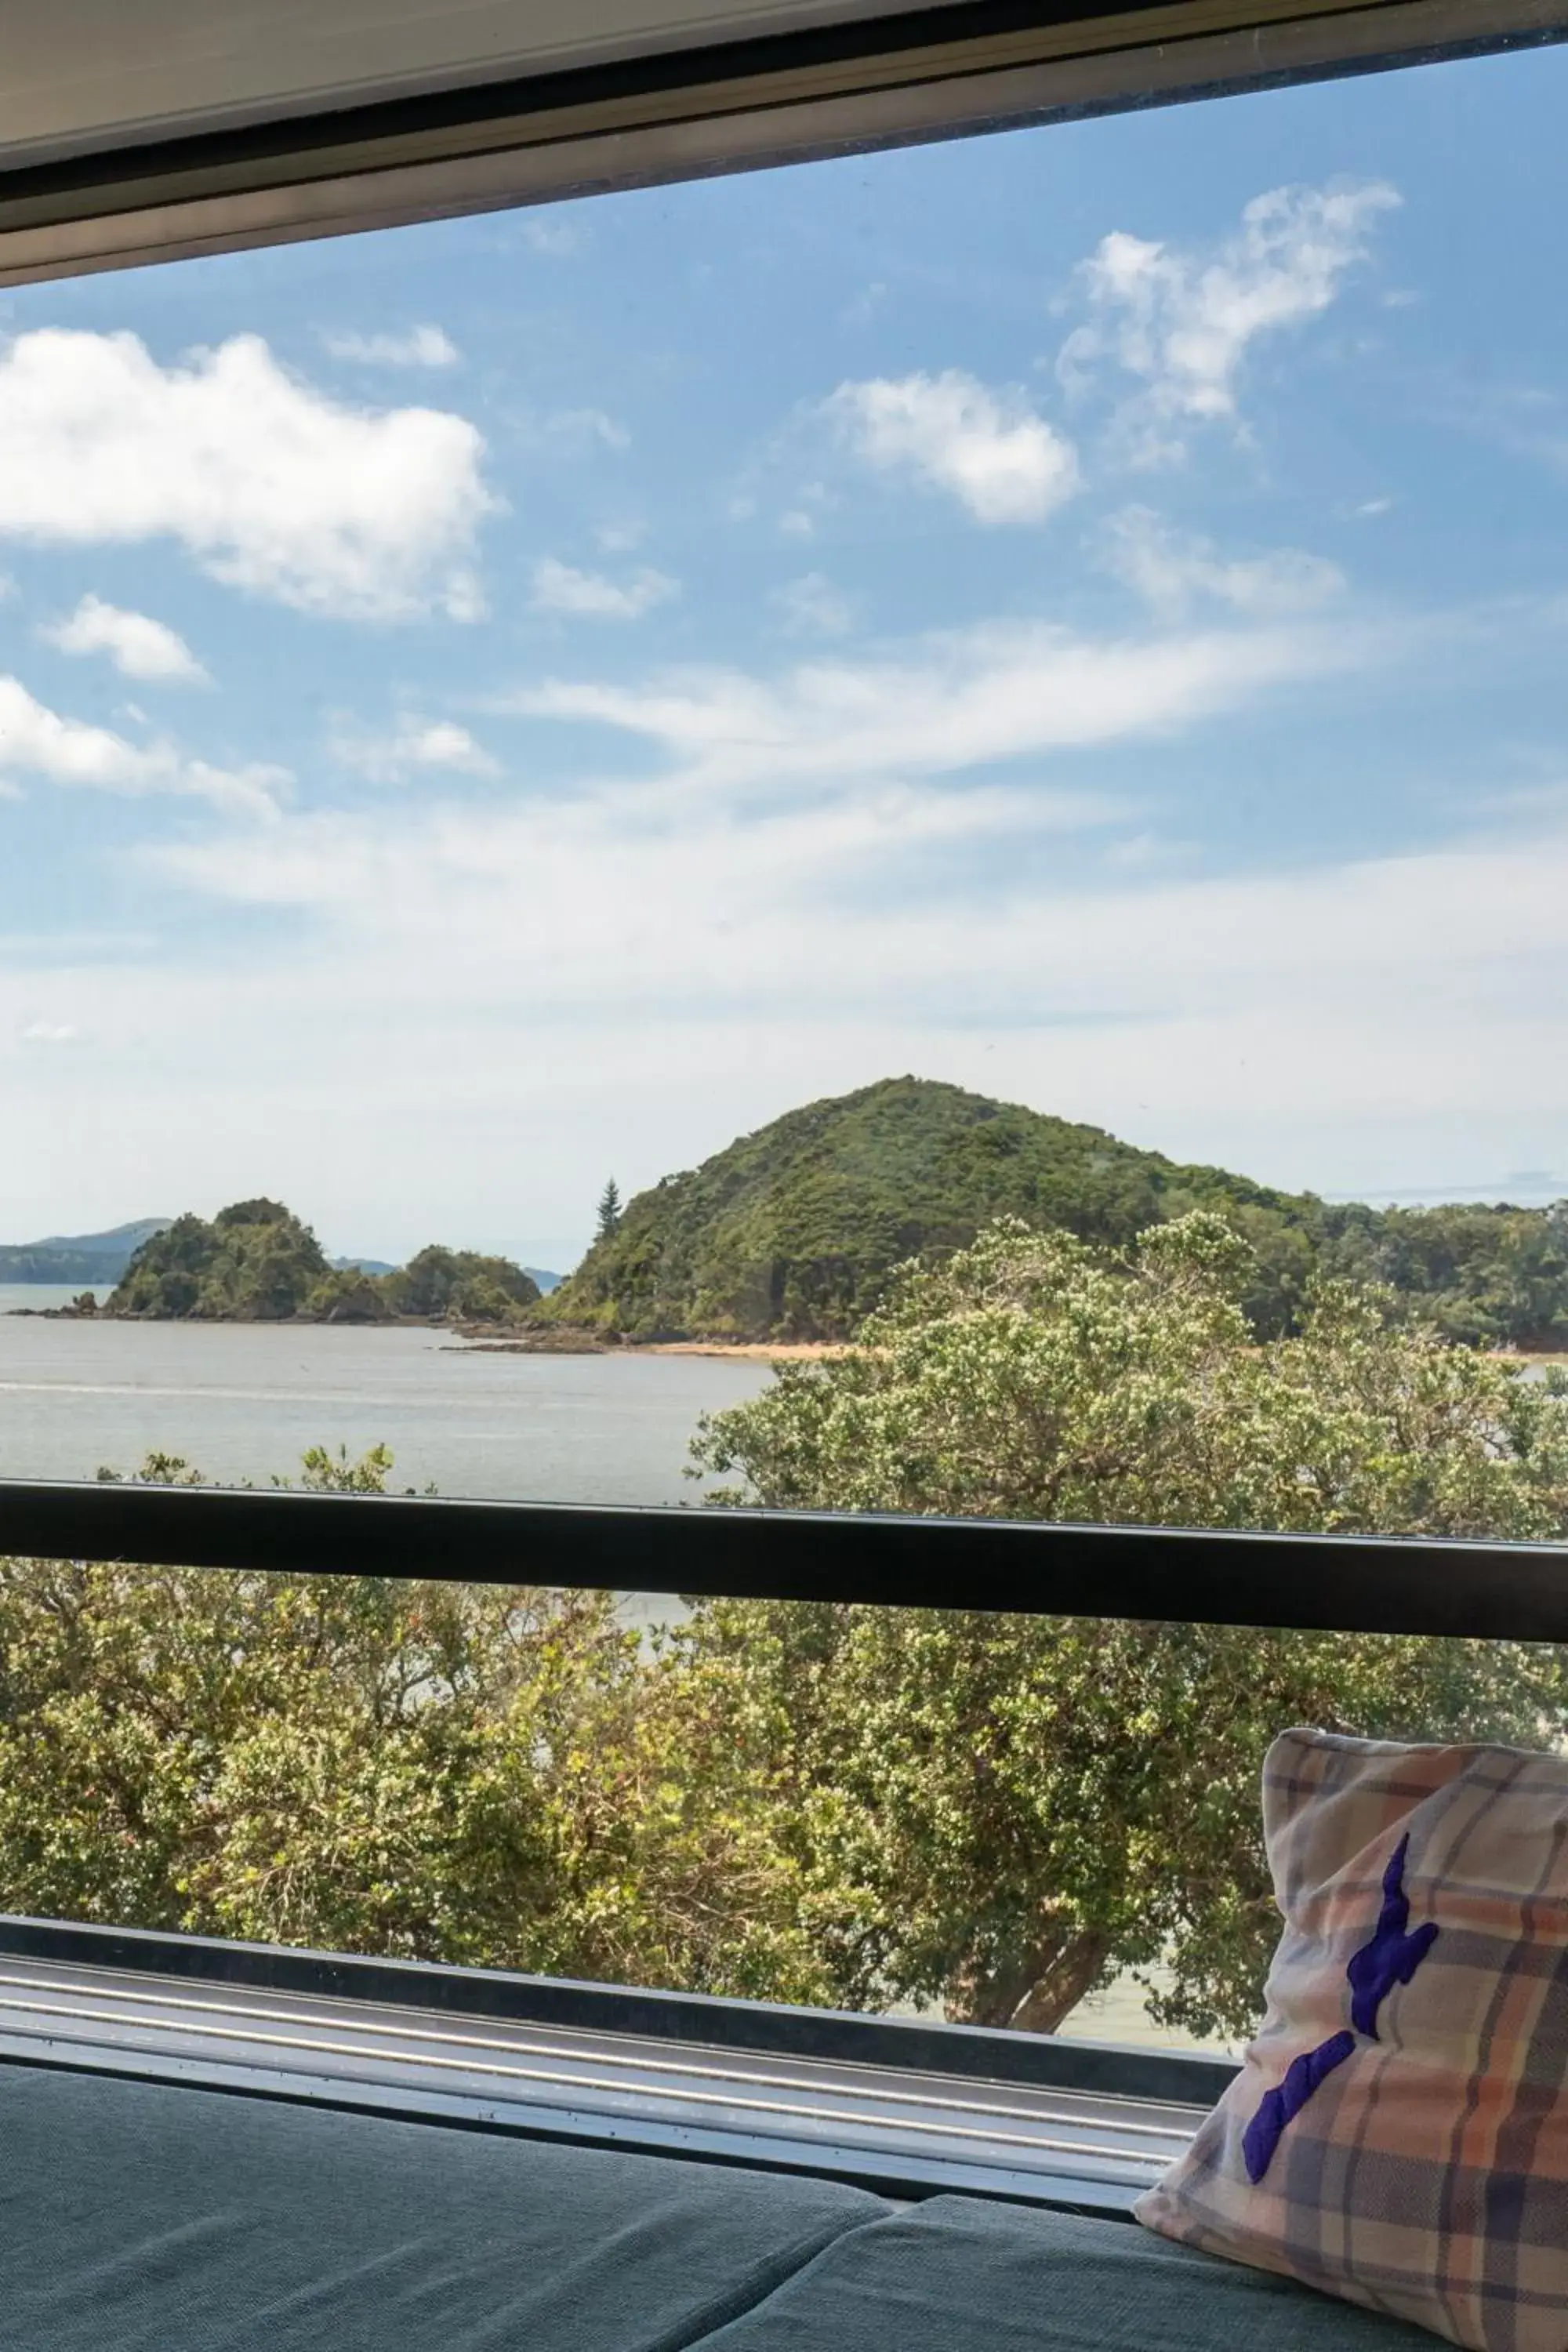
x=82 y=74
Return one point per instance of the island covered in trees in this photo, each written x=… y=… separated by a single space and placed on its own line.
x=255 y=1261
x=793 y=1234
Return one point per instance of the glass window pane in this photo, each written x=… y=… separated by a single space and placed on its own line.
x=578 y=789
x=1042 y=1824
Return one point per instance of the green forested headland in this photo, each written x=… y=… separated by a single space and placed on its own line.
x=792 y=1233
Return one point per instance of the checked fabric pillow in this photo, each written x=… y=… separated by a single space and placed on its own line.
x=1398 y=2134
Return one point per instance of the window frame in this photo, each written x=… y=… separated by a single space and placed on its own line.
x=939 y=73
x=932 y=73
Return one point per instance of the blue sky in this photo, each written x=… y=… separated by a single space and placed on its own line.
x=1080 y=614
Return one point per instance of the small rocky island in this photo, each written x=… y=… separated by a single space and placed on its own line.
x=255 y=1261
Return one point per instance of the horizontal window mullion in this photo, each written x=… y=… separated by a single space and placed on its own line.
x=1309 y=1582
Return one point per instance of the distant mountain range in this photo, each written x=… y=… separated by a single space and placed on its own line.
x=98 y=1259
x=89 y=1258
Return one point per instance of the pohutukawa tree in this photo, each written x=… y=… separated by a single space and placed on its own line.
x=998 y=1813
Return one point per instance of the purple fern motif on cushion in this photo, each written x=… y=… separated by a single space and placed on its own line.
x=1302 y=2078
x=1390 y=1957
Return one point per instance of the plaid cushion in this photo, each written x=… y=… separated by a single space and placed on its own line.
x=1399 y=2133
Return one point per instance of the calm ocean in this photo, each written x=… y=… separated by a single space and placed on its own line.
x=244 y=1401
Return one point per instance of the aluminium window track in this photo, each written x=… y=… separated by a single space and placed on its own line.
x=903 y=2131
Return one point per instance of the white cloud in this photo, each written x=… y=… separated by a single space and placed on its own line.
x=557 y=234
x=1002 y=692
x=50 y=1032
x=1184 y=324
x=561 y=588
x=413 y=746
x=1170 y=570
x=427 y=347
x=743 y=961
x=1528 y=420
x=270 y=484
x=857 y=761
x=36 y=741
x=580 y=430
x=719 y=892
x=136 y=645
x=857 y=915
x=812 y=602
x=1004 y=462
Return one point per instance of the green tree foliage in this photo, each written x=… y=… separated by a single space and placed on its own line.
x=347 y=1296
x=793 y=1233
x=253 y=1263
x=256 y=1263
x=459 y=1286
x=609 y=1213
x=446 y=1773
x=825 y=1802
x=1486 y=1276
x=999 y=1814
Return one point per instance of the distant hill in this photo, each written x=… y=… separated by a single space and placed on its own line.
x=791 y=1232
x=459 y=1286
x=88 y=1258
x=540 y=1277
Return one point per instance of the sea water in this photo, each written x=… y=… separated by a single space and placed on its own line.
x=243 y=1402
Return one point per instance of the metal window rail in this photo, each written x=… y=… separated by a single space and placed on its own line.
x=471 y=139
x=1323 y=1583
x=909 y=2110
